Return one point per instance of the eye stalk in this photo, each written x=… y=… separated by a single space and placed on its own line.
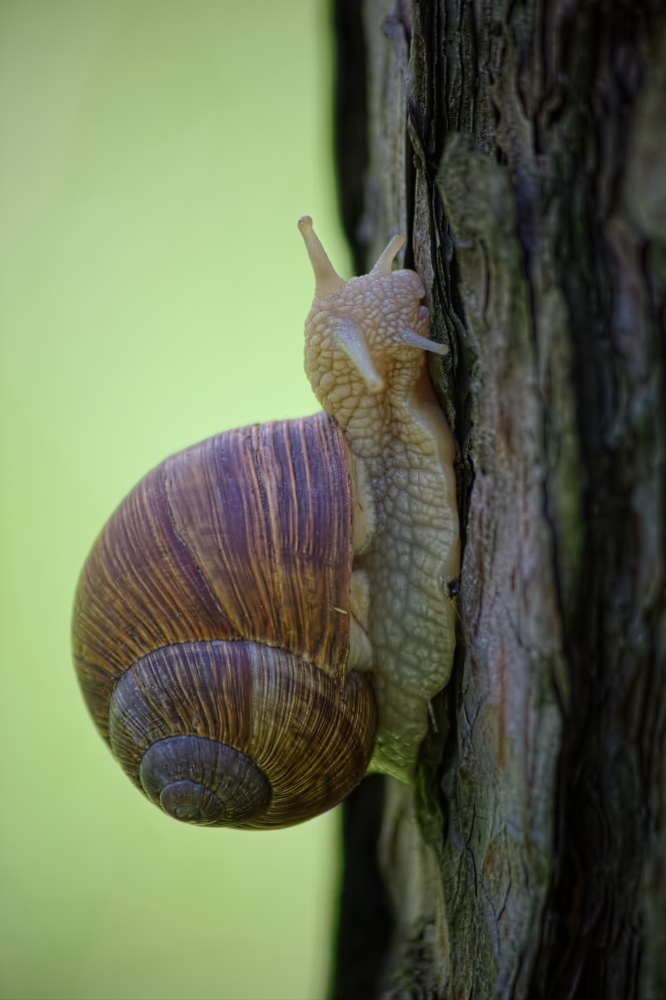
x=327 y=279
x=385 y=263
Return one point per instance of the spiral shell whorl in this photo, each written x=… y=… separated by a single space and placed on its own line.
x=202 y=781
x=273 y=737
x=212 y=620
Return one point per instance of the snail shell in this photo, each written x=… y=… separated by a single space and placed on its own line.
x=212 y=630
x=254 y=595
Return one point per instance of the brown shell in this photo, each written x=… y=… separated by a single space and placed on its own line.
x=311 y=741
x=211 y=630
x=244 y=536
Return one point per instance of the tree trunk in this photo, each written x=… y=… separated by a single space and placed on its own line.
x=521 y=147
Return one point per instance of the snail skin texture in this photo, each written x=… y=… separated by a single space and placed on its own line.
x=266 y=615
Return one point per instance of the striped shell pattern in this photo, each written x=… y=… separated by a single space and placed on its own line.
x=211 y=630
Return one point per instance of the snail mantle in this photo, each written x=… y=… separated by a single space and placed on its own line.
x=265 y=617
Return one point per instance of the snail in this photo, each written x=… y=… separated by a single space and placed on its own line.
x=265 y=617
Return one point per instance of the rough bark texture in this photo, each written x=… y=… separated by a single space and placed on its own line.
x=521 y=146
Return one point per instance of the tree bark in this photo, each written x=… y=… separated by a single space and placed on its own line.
x=521 y=147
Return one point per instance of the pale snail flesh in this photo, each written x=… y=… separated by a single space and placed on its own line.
x=266 y=615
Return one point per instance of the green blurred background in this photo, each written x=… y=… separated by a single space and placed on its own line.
x=155 y=157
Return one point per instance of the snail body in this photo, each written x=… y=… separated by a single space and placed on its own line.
x=365 y=344
x=266 y=610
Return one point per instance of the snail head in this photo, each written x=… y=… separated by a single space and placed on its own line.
x=374 y=324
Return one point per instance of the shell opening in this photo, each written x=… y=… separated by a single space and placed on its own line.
x=327 y=279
